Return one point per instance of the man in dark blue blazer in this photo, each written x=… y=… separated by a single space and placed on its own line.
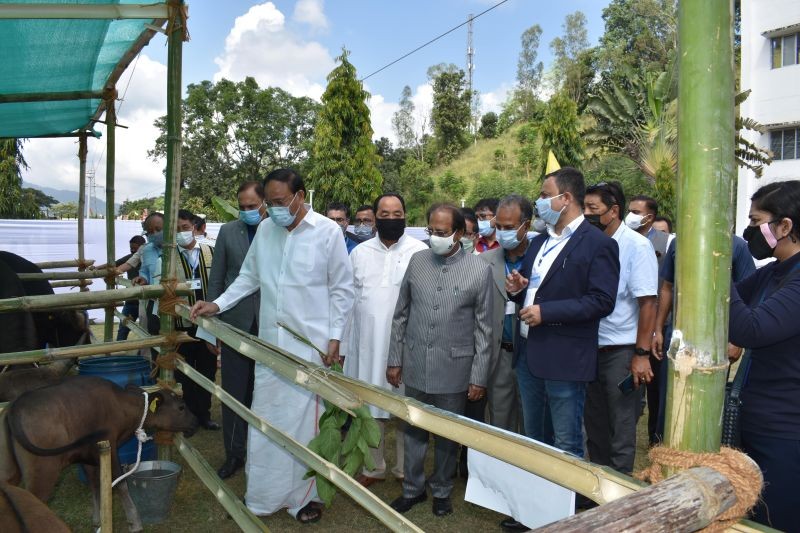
x=567 y=283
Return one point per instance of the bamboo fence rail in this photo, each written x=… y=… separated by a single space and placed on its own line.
x=71 y=283
x=50 y=301
x=67 y=263
x=89 y=274
x=69 y=352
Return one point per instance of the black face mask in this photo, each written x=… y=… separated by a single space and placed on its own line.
x=390 y=229
x=757 y=243
x=594 y=220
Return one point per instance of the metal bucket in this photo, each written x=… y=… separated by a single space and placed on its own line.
x=152 y=488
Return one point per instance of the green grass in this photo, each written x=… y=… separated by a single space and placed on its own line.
x=196 y=510
x=479 y=158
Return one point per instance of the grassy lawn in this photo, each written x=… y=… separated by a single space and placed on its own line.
x=196 y=510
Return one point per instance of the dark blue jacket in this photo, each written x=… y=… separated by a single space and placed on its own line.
x=578 y=290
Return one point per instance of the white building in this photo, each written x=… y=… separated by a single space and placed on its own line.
x=771 y=68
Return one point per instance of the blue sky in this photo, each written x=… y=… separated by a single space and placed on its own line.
x=292 y=44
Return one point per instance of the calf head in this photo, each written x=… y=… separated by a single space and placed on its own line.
x=70 y=328
x=167 y=411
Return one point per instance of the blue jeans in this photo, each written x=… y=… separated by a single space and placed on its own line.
x=130 y=309
x=552 y=410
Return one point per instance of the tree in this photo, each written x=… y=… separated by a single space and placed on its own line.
x=452 y=187
x=234 y=132
x=560 y=132
x=488 y=129
x=451 y=114
x=403 y=121
x=528 y=151
x=135 y=208
x=529 y=71
x=39 y=198
x=345 y=162
x=13 y=202
x=417 y=188
x=65 y=210
x=568 y=68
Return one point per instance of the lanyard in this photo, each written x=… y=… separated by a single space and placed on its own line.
x=517 y=265
x=548 y=250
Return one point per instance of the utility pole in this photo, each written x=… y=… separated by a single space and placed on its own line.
x=470 y=68
x=91 y=205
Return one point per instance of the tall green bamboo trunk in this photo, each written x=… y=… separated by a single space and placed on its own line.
x=172 y=191
x=82 y=150
x=706 y=167
x=111 y=252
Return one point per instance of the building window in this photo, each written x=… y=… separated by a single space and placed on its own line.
x=786 y=50
x=785 y=144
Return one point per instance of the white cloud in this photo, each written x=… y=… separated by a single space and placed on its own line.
x=493 y=100
x=54 y=162
x=381 y=113
x=311 y=12
x=259 y=45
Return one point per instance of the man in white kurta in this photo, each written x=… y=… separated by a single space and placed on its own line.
x=306 y=282
x=379 y=265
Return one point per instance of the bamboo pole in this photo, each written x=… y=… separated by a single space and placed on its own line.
x=46 y=302
x=106 y=499
x=84 y=350
x=169 y=257
x=111 y=252
x=706 y=169
x=83 y=11
x=67 y=263
x=363 y=497
x=90 y=274
x=244 y=517
x=71 y=283
x=82 y=151
x=49 y=97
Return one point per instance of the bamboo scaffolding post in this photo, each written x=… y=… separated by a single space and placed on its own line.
x=67 y=263
x=48 y=302
x=111 y=252
x=82 y=151
x=244 y=518
x=706 y=169
x=84 y=350
x=177 y=32
x=132 y=325
x=124 y=282
x=106 y=498
x=83 y=11
x=71 y=283
x=366 y=499
x=89 y=274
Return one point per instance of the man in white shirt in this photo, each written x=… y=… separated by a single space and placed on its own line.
x=613 y=400
x=379 y=265
x=299 y=262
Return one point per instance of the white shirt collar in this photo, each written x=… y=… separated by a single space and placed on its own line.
x=568 y=231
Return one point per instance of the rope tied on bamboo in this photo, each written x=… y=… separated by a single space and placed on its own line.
x=111 y=275
x=178 y=15
x=170 y=298
x=166 y=360
x=743 y=474
x=83 y=265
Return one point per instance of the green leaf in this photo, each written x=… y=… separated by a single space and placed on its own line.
x=310 y=474
x=326 y=490
x=368 y=462
x=371 y=432
x=225 y=210
x=330 y=440
x=352 y=437
x=341 y=418
x=353 y=462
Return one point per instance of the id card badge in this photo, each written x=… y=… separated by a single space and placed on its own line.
x=195 y=284
x=510 y=307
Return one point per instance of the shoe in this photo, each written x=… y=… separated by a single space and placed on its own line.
x=231 y=466
x=510 y=524
x=402 y=504
x=442 y=506
x=366 y=481
x=209 y=425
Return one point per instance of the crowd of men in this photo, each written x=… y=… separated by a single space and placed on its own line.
x=543 y=318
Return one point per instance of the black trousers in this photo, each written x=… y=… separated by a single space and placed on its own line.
x=198 y=356
x=238 y=375
x=654 y=401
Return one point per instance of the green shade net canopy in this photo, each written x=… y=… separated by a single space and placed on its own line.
x=42 y=58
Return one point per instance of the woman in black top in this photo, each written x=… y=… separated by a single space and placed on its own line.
x=765 y=317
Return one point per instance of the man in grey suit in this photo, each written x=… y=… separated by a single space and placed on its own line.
x=512 y=222
x=441 y=347
x=231 y=248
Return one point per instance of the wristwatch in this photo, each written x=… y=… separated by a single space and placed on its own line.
x=642 y=351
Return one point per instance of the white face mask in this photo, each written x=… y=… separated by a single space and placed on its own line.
x=442 y=245
x=184 y=238
x=634 y=221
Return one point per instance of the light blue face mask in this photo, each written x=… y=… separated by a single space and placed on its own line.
x=363 y=231
x=156 y=239
x=508 y=238
x=485 y=228
x=545 y=210
x=281 y=215
x=250 y=217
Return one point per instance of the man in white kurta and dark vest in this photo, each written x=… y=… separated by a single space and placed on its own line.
x=379 y=265
x=299 y=262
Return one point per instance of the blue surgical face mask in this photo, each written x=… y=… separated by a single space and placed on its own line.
x=539 y=225
x=250 y=217
x=485 y=228
x=508 y=238
x=546 y=212
x=281 y=215
x=156 y=239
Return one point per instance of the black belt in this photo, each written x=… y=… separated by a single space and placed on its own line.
x=507 y=346
x=616 y=347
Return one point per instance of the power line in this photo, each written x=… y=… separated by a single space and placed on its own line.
x=417 y=49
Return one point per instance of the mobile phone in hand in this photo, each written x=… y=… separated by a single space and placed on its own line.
x=626 y=385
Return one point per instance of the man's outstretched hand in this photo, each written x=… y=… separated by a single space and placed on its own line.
x=201 y=308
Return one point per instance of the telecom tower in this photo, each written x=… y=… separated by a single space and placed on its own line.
x=91 y=205
x=471 y=67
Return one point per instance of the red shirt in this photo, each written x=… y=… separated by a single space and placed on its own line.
x=484 y=246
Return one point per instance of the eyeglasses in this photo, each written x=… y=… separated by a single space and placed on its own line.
x=281 y=203
x=437 y=233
